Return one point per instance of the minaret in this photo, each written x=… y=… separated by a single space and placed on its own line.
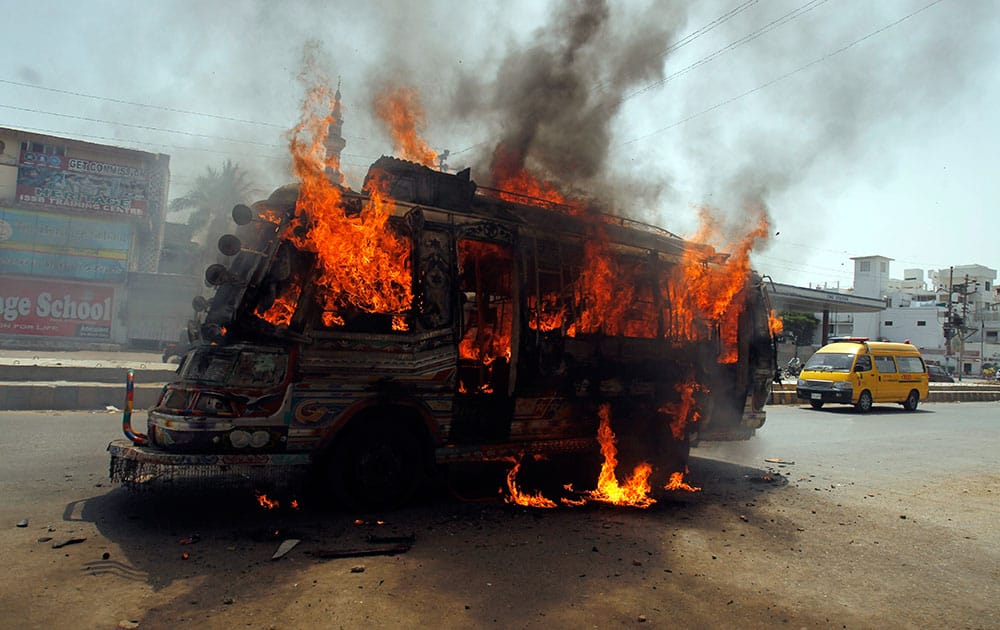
x=335 y=142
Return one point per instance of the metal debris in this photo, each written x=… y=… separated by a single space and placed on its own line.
x=68 y=541
x=375 y=539
x=285 y=547
x=383 y=550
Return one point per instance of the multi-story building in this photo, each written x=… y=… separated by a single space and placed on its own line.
x=81 y=229
x=954 y=320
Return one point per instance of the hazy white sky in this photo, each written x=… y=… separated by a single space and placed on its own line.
x=865 y=127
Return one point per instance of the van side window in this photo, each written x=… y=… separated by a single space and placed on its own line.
x=863 y=364
x=885 y=365
x=911 y=365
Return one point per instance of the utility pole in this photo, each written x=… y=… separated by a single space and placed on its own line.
x=956 y=325
x=949 y=330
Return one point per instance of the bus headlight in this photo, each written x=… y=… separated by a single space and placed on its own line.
x=842 y=385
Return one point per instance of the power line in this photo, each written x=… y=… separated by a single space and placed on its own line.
x=149 y=106
x=784 y=19
x=690 y=37
x=135 y=126
x=120 y=101
x=782 y=77
x=147 y=144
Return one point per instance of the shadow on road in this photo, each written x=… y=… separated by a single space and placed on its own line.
x=876 y=410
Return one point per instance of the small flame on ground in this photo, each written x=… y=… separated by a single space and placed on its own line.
x=634 y=491
x=520 y=498
x=677 y=483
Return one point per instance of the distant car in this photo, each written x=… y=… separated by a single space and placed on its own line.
x=937 y=374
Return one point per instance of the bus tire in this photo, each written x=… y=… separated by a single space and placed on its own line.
x=911 y=402
x=864 y=404
x=376 y=467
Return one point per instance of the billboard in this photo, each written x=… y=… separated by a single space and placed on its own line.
x=43 y=244
x=66 y=182
x=56 y=309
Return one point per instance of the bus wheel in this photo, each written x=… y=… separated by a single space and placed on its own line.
x=816 y=404
x=375 y=468
x=911 y=402
x=864 y=404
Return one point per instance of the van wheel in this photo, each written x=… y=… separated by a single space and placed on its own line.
x=816 y=404
x=375 y=468
x=864 y=404
x=911 y=402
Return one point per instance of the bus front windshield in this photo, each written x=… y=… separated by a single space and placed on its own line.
x=237 y=367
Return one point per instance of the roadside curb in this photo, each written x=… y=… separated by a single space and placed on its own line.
x=66 y=396
x=785 y=397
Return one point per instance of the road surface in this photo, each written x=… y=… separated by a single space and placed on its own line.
x=883 y=520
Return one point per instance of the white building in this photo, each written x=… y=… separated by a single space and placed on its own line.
x=954 y=321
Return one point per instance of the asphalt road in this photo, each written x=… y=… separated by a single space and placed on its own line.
x=884 y=520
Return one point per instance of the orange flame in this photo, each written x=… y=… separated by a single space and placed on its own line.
x=281 y=311
x=634 y=492
x=266 y=502
x=364 y=266
x=677 y=483
x=519 y=186
x=489 y=336
x=702 y=292
x=610 y=295
x=401 y=111
x=549 y=316
x=775 y=324
x=520 y=498
x=683 y=411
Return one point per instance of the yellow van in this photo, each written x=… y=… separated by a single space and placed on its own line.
x=853 y=370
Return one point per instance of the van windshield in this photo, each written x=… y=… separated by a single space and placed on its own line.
x=830 y=362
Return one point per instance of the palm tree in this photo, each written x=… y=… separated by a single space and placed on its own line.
x=212 y=197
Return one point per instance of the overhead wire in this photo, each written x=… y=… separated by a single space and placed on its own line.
x=122 y=101
x=767 y=28
x=692 y=36
x=782 y=77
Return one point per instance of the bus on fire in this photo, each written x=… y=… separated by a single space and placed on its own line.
x=371 y=338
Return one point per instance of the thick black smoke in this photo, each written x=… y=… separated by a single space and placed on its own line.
x=556 y=99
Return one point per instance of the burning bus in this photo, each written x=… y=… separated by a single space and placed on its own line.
x=370 y=338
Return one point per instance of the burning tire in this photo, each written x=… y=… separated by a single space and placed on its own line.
x=375 y=467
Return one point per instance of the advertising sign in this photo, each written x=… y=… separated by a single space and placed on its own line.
x=101 y=187
x=41 y=244
x=56 y=309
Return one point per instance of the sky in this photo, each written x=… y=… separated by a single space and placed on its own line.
x=858 y=127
